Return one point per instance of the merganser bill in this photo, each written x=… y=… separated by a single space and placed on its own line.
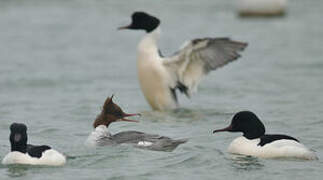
x=255 y=142
x=160 y=77
x=23 y=153
x=110 y=113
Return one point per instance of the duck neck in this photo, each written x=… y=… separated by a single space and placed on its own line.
x=148 y=44
x=21 y=147
x=108 y=124
x=256 y=133
x=101 y=119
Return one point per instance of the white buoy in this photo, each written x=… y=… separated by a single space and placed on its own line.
x=261 y=7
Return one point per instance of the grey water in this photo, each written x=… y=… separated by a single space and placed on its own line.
x=60 y=59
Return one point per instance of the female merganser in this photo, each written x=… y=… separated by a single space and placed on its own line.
x=255 y=142
x=23 y=153
x=159 y=76
x=111 y=112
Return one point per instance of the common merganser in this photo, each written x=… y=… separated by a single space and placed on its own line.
x=23 y=153
x=160 y=77
x=255 y=142
x=111 y=112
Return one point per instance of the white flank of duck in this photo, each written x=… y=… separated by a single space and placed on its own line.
x=277 y=149
x=49 y=157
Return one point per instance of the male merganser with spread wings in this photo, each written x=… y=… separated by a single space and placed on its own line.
x=159 y=76
x=23 y=153
x=111 y=112
x=255 y=142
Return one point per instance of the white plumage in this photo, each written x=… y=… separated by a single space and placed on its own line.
x=154 y=78
x=277 y=149
x=49 y=157
x=144 y=143
x=98 y=134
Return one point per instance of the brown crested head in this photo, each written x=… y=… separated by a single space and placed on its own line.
x=111 y=112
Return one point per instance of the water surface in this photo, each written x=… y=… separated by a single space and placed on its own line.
x=59 y=60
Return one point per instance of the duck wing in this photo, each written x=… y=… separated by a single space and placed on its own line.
x=147 y=141
x=36 y=151
x=197 y=58
x=133 y=137
x=268 y=138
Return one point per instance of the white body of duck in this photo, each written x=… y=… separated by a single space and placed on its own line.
x=277 y=149
x=153 y=76
x=49 y=157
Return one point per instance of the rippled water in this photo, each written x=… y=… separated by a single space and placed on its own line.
x=59 y=60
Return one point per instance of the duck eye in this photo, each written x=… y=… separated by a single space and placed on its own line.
x=117 y=112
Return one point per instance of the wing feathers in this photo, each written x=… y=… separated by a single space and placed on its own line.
x=220 y=51
x=200 y=56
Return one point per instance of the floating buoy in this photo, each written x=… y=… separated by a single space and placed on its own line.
x=262 y=7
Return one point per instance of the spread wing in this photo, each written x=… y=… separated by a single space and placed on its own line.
x=198 y=57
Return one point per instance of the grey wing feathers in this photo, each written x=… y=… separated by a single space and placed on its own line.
x=133 y=137
x=218 y=51
x=159 y=143
x=199 y=56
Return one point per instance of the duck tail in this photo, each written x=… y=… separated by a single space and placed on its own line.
x=179 y=141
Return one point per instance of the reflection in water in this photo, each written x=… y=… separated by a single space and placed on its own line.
x=17 y=170
x=248 y=163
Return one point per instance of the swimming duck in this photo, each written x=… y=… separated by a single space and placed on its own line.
x=255 y=142
x=110 y=113
x=23 y=153
x=160 y=76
